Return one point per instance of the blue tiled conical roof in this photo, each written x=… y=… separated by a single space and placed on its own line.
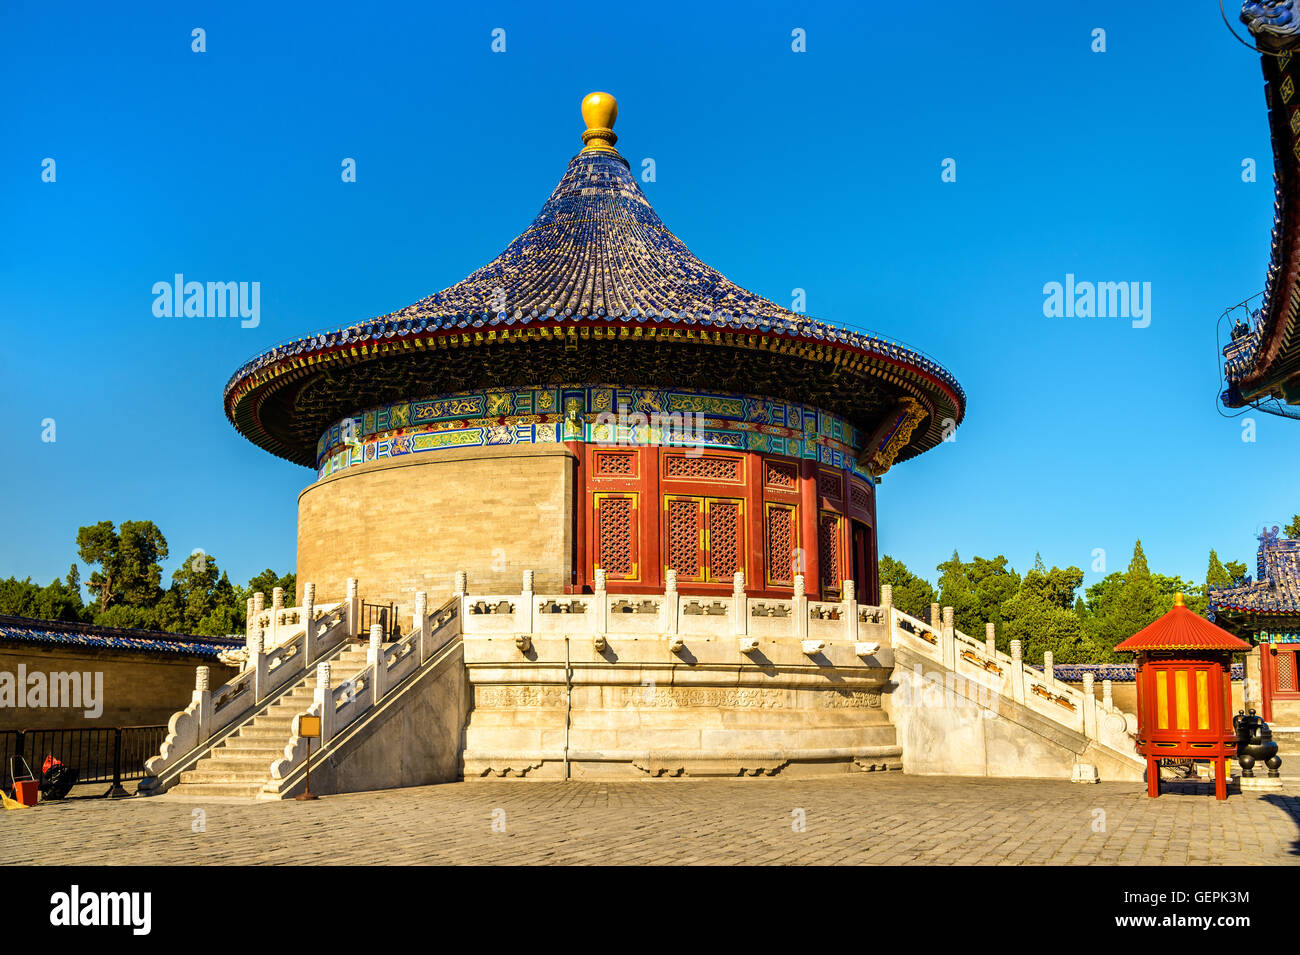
x=595 y=285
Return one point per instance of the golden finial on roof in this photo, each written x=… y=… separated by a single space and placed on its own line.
x=1180 y=600
x=599 y=112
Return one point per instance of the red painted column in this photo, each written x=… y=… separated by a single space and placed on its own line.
x=581 y=517
x=808 y=517
x=652 y=502
x=1266 y=682
x=755 y=553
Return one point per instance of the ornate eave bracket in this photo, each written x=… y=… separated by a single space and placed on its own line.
x=891 y=437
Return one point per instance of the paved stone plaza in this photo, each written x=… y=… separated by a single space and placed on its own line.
x=861 y=819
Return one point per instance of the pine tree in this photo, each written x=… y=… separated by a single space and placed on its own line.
x=1137 y=604
x=912 y=594
x=1216 y=575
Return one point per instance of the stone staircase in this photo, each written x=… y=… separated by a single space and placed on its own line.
x=964 y=708
x=240 y=765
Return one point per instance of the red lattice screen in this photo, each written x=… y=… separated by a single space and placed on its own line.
x=1286 y=671
x=725 y=554
x=684 y=525
x=780 y=474
x=616 y=536
x=615 y=464
x=702 y=468
x=828 y=553
x=779 y=547
x=830 y=485
x=860 y=496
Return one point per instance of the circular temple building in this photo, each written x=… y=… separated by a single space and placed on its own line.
x=594 y=398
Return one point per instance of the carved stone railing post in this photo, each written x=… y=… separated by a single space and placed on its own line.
x=1049 y=667
x=849 y=610
x=460 y=590
x=1089 y=707
x=259 y=602
x=1017 y=673
x=991 y=640
x=601 y=601
x=420 y=622
x=375 y=659
x=249 y=623
x=800 y=611
x=277 y=611
x=353 y=606
x=1107 y=694
x=739 y=605
x=934 y=620
x=203 y=697
x=257 y=663
x=671 y=602
x=949 y=639
x=309 y=625
x=524 y=612
x=886 y=600
x=324 y=696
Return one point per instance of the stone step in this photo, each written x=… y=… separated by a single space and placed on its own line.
x=251 y=732
x=251 y=747
x=224 y=774
x=250 y=789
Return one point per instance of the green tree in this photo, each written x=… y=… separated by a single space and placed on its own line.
x=976 y=590
x=1293 y=529
x=55 y=601
x=268 y=580
x=1236 y=569
x=192 y=595
x=129 y=569
x=1216 y=575
x=912 y=594
x=1042 y=616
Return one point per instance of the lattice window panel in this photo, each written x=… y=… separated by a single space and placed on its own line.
x=702 y=468
x=828 y=553
x=860 y=496
x=781 y=474
x=779 y=546
x=830 y=485
x=726 y=555
x=1286 y=671
x=684 y=517
x=616 y=536
x=615 y=465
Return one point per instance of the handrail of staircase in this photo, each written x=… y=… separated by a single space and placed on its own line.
x=1098 y=720
x=389 y=667
x=211 y=716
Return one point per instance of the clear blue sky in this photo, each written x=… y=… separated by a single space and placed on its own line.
x=818 y=170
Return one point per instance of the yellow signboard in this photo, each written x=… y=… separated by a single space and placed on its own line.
x=309 y=727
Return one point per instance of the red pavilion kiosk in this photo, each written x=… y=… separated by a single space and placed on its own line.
x=1184 y=693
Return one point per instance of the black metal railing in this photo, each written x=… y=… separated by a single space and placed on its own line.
x=383 y=614
x=109 y=754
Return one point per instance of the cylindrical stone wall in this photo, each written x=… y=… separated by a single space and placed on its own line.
x=408 y=524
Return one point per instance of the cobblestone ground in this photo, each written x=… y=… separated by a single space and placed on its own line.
x=889 y=819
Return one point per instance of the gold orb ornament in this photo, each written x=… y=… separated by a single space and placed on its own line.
x=599 y=112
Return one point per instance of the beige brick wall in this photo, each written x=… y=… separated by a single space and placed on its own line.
x=410 y=523
x=140 y=689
